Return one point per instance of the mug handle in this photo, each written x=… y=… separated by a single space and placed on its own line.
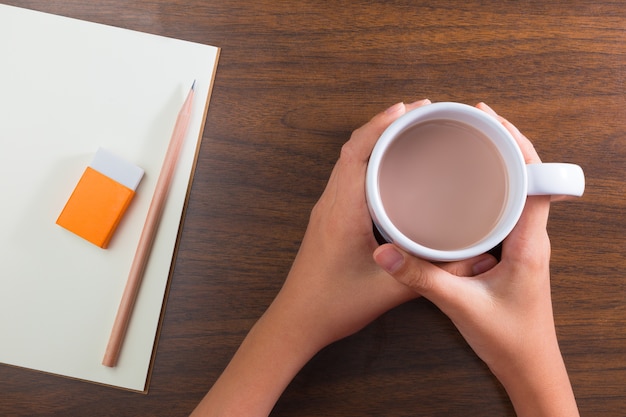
x=560 y=180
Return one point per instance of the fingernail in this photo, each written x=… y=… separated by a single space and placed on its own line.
x=422 y=102
x=488 y=109
x=484 y=265
x=395 y=108
x=511 y=126
x=388 y=258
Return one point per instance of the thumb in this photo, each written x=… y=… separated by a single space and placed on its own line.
x=423 y=277
x=437 y=283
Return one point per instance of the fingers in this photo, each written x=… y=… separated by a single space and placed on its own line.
x=441 y=284
x=421 y=276
x=417 y=104
x=363 y=139
x=470 y=267
x=355 y=153
x=526 y=146
x=534 y=219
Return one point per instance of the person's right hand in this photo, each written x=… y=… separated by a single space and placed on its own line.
x=504 y=313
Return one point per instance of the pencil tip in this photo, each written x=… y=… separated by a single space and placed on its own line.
x=193 y=86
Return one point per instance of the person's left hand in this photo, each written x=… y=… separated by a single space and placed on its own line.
x=333 y=289
x=334 y=284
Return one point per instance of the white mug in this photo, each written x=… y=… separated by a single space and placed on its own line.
x=556 y=179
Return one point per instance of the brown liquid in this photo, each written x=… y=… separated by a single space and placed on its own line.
x=443 y=184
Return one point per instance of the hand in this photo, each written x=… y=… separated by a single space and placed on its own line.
x=333 y=289
x=505 y=313
x=334 y=283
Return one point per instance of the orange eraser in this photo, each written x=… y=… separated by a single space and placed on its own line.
x=100 y=198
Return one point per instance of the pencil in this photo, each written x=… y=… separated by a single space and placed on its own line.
x=148 y=233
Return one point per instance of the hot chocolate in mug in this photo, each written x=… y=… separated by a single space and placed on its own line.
x=447 y=181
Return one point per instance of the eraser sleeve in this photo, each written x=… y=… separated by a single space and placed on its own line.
x=100 y=198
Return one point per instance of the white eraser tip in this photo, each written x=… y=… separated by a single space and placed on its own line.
x=117 y=168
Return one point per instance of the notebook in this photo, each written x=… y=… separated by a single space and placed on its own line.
x=67 y=88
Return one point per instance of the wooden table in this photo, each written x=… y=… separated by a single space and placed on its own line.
x=294 y=79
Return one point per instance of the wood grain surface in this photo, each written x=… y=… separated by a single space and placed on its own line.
x=294 y=79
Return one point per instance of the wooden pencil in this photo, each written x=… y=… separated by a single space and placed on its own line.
x=148 y=233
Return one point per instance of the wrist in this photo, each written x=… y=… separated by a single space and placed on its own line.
x=538 y=384
x=273 y=352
